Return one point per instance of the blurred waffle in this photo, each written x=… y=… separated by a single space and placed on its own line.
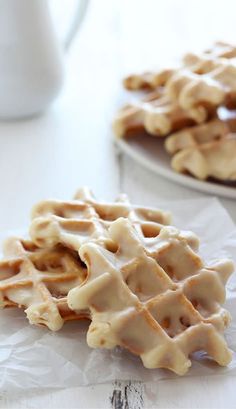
x=156 y=114
x=184 y=105
x=204 y=151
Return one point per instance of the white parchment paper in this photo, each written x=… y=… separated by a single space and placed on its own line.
x=32 y=357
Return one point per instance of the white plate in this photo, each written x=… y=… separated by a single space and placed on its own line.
x=150 y=153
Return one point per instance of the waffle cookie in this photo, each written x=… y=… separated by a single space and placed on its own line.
x=194 y=136
x=214 y=87
x=38 y=280
x=37 y=275
x=83 y=219
x=156 y=114
x=207 y=150
x=216 y=159
x=160 y=303
x=196 y=63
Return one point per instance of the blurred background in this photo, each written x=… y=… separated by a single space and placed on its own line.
x=149 y=32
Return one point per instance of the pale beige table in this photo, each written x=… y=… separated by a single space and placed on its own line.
x=71 y=145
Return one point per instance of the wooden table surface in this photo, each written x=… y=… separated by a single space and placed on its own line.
x=71 y=146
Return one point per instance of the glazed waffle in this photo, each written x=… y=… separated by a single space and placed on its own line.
x=156 y=114
x=83 y=219
x=194 y=136
x=185 y=104
x=183 y=96
x=215 y=87
x=154 y=297
x=216 y=159
x=38 y=280
x=196 y=63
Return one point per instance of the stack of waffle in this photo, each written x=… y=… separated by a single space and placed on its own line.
x=184 y=105
x=138 y=280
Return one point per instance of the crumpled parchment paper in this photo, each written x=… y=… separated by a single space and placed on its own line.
x=32 y=357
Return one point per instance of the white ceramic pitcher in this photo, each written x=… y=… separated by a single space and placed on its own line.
x=31 y=59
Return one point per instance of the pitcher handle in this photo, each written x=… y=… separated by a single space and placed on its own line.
x=76 y=21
